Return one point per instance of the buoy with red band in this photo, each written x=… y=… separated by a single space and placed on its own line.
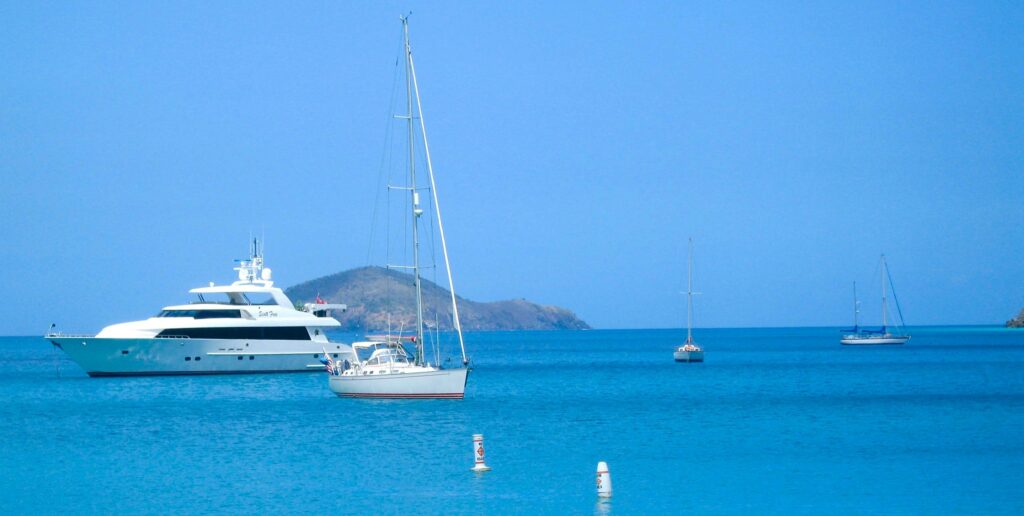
x=478 y=453
x=604 y=480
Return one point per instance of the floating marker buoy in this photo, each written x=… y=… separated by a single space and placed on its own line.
x=604 y=480
x=478 y=453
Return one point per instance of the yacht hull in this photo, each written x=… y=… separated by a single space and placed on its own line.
x=442 y=383
x=689 y=356
x=164 y=356
x=887 y=340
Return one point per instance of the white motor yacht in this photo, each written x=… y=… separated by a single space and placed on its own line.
x=249 y=326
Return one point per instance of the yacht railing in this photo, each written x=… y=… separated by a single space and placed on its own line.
x=63 y=335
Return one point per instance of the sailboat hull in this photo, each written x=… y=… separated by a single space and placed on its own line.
x=144 y=357
x=689 y=356
x=877 y=340
x=441 y=383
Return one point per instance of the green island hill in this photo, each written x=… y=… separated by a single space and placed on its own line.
x=375 y=293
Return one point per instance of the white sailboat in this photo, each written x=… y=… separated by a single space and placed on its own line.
x=389 y=371
x=858 y=336
x=689 y=351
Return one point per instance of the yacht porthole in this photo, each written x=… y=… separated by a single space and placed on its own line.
x=188 y=359
x=198 y=358
x=250 y=356
x=240 y=357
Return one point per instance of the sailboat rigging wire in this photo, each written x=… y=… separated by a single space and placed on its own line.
x=437 y=205
x=385 y=161
x=894 y=298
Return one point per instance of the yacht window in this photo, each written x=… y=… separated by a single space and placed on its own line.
x=215 y=298
x=219 y=314
x=251 y=357
x=202 y=314
x=239 y=357
x=258 y=298
x=188 y=359
x=241 y=332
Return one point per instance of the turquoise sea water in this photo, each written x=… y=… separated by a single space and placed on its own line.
x=775 y=421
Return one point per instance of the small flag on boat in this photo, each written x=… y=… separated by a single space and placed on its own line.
x=319 y=300
x=327 y=361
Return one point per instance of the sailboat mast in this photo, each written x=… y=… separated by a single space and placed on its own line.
x=689 y=294
x=856 y=308
x=433 y=189
x=885 y=309
x=416 y=211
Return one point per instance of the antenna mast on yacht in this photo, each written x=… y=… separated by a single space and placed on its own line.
x=411 y=81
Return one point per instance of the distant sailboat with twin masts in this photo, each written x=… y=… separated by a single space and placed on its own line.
x=389 y=370
x=858 y=336
x=689 y=351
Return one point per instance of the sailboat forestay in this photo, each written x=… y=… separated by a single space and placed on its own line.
x=689 y=351
x=858 y=336
x=390 y=371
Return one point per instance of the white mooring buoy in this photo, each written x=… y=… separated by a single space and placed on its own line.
x=604 y=480
x=478 y=453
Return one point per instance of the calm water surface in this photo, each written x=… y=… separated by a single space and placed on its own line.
x=776 y=421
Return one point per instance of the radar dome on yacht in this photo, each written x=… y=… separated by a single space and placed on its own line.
x=265 y=274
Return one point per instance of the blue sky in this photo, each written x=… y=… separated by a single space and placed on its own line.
x=577 y=146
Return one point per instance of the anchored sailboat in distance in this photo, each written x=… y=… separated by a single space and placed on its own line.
x=858 y=336
x=689 y=351
x=389 y=370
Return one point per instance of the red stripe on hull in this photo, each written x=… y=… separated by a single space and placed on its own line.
x=450 y=396
x=104 y=374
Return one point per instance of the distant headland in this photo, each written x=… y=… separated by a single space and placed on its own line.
x=1016 y=322
x=375 y=293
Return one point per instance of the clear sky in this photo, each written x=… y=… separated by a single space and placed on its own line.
x=577 y=146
